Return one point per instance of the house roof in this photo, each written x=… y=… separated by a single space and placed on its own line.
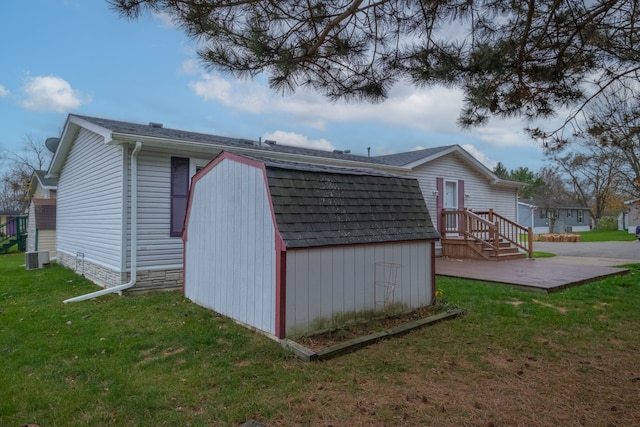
x=402 y=159
x=114 y=130
x=320 y=206
x=47 y=183
x=126 y=131
x=563 y=204
x=45 y=212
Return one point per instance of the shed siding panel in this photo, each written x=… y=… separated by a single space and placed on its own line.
x=482 y=194
x=230 y=248
x=89 y=210
x=341 y=281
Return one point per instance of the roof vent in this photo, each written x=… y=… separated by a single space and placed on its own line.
x=155 y=125
x=347 y=151
x=270 y=141
x=338 y=151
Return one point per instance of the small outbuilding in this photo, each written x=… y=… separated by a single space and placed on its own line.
x=41 y=226
x=291 y=248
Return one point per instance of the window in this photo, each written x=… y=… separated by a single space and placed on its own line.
x=580 y=218
x=543 y=213
x=568 y=213
x=179 y=194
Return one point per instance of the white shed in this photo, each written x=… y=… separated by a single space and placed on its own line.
x=291 y=248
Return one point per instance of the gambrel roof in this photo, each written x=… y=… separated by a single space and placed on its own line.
x=317 y=205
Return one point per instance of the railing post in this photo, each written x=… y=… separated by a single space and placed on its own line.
x=491 y=215
x=530 y=242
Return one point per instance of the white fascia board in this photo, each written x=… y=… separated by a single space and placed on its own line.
x=69 y=132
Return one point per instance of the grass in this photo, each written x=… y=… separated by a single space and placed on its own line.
x=606 y=236
x=515 y=358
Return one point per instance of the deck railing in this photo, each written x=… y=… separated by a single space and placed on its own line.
x=13 y=232
x=486 y=227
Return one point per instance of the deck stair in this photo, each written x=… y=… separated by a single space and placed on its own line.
x=13 y=235
x=483 y=235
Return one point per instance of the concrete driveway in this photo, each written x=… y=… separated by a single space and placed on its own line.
x=606 y=254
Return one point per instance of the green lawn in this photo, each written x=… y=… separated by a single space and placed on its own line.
x=156 y=359
x=606 y=236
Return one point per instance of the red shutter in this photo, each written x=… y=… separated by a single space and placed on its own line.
x=179 y=194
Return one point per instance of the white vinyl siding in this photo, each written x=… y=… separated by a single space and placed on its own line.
x=230 y=252
x=31 y=229
x=345 y=280
x=482 y=194
x=156 y=248
x=89 y=210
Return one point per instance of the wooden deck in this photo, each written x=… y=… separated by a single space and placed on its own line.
x=536 y=275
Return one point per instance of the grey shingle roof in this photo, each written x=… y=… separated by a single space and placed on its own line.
x=401 y=159
x=320 y=206
x=47 y=182
x=180 y=135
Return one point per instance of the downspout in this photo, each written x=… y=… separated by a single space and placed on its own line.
x=134 y=234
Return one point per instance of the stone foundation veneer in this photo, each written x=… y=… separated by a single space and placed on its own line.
x=146 y=280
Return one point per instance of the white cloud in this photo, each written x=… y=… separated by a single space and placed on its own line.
x=298 y=140
x=190 y=67
x=480 y=156
x=4 y=92
x=50 y=93
x=242 y=95
x=431 y=110
x=166 y=19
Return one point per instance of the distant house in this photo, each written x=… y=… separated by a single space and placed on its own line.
x=289 y=248
x=41 y=225
x=115 y=177
x=41 y=186
x=629 y=219
x=566 y=219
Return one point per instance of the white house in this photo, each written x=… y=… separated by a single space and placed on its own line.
x=123 y=188
x=290 y=248
x=41 y=223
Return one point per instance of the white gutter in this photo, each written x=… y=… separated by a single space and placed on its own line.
x=134 y=234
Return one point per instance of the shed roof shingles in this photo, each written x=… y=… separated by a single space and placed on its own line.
x=320 y=208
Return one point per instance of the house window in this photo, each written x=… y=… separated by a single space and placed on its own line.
x=580 y=218
x=568 y=213
x=179 y=194
x=543 y=213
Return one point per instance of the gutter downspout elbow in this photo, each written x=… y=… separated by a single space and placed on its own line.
x=134 y=234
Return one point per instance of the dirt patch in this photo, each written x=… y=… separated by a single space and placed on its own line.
x=562 y=310
x=583 y=389
x=349 y=332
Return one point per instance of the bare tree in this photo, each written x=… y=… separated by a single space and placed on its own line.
x=594 y=174
x=551 y=193
x=614 y=122
x=33 y=155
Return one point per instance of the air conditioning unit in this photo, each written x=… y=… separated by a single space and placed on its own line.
x=34 y=260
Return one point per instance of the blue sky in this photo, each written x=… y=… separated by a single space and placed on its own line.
x=78 y=56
